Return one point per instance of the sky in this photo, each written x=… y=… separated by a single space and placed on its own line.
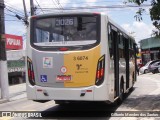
x=122 y=16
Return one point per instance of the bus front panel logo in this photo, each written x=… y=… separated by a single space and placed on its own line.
x=47 y=62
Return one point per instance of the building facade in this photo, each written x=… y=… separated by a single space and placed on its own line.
x=150 y=49
x=16 y=66
x=15 y=59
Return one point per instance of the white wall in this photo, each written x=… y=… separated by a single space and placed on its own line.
x=15 y=54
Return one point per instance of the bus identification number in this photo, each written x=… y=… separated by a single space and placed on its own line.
x=64 y=21
x=80 y=58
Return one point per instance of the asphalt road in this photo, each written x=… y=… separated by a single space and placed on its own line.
x=143 y=100
x=144 y=97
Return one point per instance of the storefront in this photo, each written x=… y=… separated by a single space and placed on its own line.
x=150 y=49
x=16 y=66
x=16 y=71
x=15 y=59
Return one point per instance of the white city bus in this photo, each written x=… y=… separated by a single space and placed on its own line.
x=73 y=57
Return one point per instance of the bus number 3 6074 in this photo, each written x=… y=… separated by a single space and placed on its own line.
x=80 y=58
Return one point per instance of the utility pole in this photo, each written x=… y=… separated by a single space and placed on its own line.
x=3 y=62
x=32 y=8
x=25 y=12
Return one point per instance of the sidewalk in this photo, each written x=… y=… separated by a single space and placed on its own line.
x=16 y=92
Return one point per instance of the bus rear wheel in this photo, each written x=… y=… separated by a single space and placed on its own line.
x=61 y=102
x=121 y=96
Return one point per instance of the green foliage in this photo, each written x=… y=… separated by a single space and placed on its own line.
x=139 y=13
x=139 y=2
x=154 y=13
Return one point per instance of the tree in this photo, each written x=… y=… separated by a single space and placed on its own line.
x=154 y=13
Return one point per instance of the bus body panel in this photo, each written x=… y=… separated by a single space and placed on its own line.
x=122 y=71
x=92 y=93
x=56 y=91
x=76 y=64
x=41 y=69
x=31 y=92
x=69 y=93
x=107 y=88
x=101 y=93
x=82 y=67
x=63 y=93
x=132 y=72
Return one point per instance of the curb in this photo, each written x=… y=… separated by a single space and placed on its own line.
x=19 y=96
x=14 y=97
x=3 y=101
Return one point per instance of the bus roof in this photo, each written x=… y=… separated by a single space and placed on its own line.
x=67 y=13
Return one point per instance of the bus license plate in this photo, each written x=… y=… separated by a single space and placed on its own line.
x=63 y=77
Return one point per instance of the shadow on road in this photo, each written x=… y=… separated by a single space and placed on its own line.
x=91 y=109
x=142 y=103
x=80 y=110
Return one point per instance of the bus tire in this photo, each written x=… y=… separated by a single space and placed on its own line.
x=121 y=96
x=133 y=81
x=60 y=102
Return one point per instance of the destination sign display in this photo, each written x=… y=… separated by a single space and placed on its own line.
x=64 y=21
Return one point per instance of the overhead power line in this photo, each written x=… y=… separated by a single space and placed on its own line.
x=12 y=11
x=97 y=2
x=16 y=15
x=99 y=7
x=39 y=6
x=55 y=5
x=14 y=8
x=59 y=4
x=12 y=21
x=17 y=11
x=9 y=15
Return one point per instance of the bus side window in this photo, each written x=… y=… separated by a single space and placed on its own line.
x=121 y=46
x=131 y=50
x=124 y=43
x=110 y=41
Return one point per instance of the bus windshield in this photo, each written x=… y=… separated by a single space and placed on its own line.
x=65 y=31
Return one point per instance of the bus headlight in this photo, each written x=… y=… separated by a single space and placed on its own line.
x=100 y=70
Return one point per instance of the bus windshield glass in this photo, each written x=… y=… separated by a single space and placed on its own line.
x=65 y=31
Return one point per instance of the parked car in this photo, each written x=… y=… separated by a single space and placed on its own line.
x=159 y=69
x=144 y=69
x=154 y=67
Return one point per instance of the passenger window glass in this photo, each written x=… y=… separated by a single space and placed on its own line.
x=121 y=46
x=66 y=31
x=110 y=40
